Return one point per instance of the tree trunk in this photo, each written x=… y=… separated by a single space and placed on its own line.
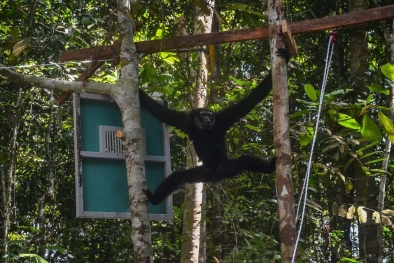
x=7 y=183
x=387 y=150
x=192 y=250
x=49 y=191
x=126 y=96
x=365 y=186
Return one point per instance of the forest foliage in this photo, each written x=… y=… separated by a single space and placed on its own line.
x=36 y=135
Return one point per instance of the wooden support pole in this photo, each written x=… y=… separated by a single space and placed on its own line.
x=284 y=177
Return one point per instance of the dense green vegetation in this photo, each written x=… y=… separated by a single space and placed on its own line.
x=36 y=134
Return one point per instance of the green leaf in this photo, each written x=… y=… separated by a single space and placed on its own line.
x=239 y=82
x=299 y=113
x=348 y=121
x=378 y=88
x=369 y=99
x=242 y=7
x=387 y=124
x=169 y=57
x=388 y=71
x=370 y=130
x=159 y=34
x=310 y=91
x=37 y=258
x=307 y=137
x=148 y=72
x=348 y=260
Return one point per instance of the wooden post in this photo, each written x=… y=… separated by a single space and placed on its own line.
x=284 y=184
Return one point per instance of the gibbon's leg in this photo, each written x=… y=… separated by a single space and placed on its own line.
x=233 y=167
x=175 y=180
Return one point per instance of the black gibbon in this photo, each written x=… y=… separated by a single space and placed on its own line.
x=207 y=130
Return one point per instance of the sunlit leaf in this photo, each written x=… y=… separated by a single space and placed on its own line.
x=342 y=210
x=344 y=119
x=350 y=212
x=362 y=215
x=307 y=137
x=310 y=91
x=376 y=217
x=387 y=124
x=388 y=212
x=378 y=88
x=386 y=220
x=349 y=185
x=369 y=99
x=159 y=34
x=370 y=130
x=20 y=46
x=388 y=71
x=36 y=257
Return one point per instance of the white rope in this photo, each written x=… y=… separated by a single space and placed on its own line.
x=55 y=64
x=304 y=191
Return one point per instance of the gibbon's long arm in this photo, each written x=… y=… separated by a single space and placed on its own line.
x=163 y=113
x=230 y=115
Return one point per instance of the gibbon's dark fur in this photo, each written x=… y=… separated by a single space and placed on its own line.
x=207 y=130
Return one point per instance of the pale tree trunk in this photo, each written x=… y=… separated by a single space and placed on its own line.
x=284 y=182
x=386 y=155
x=364 y=185
x=125 y=93
x=193 y=246
x=126 y=96
x=7 y=179
x=48 y=194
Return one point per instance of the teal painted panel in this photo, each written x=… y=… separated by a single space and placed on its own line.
x=93 y=114
x=105 y=185
x=153 y=134
x=154 y=175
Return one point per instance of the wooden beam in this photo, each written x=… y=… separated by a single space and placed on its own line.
x=84 y=77
x=290 y=41
x=301 y=27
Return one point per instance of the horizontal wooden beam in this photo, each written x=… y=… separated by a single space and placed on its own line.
x=301 y=27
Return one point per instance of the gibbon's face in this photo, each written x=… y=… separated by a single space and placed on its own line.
x=204 y=120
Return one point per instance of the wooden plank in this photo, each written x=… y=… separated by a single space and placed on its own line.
x=84 y=76
x=301 y=27
x=290 y=41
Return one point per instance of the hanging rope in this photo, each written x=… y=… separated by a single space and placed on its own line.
x=304 y=191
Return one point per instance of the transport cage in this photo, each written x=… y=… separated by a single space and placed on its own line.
x=100 y=169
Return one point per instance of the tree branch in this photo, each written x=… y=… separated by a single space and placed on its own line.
x=25 y=81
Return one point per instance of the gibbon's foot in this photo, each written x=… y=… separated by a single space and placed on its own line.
x=284 y=53
x=151 y=197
